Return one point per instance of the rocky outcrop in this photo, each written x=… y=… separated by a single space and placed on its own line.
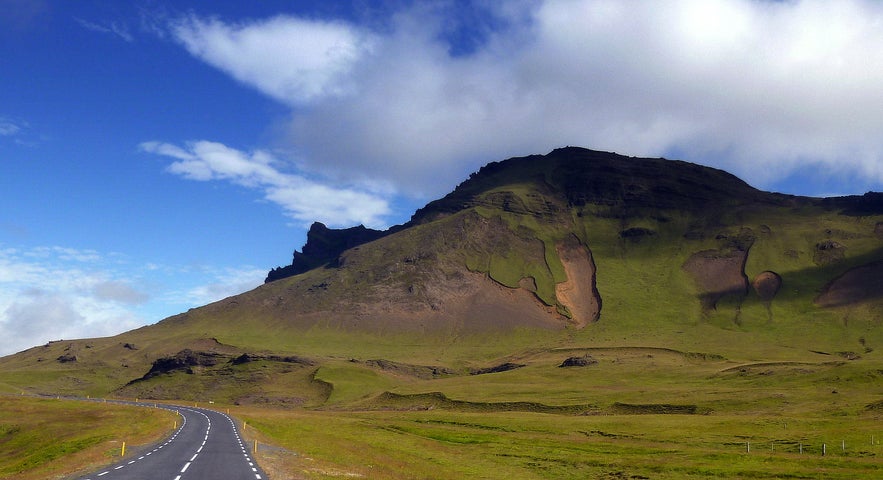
x=324 y=246
x=583 y=361
x=184 y=361
x=503 y=367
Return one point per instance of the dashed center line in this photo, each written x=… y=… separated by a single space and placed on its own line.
x=188 y=464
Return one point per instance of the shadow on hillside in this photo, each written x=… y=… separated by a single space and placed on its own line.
x=846 y=282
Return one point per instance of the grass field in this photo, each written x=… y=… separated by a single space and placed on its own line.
x=733 y=420
x=521 y=445
x=50 y=439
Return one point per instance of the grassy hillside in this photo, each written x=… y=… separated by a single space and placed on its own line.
x=642 y=268
x=473 y=279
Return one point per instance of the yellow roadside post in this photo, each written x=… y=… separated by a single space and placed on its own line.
x=123 y=451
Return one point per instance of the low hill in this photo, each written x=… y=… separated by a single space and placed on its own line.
x=527 y=263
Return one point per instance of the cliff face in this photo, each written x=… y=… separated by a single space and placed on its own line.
x=323 y=247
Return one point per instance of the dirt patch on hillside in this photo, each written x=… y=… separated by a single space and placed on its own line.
x=457 y=303
x=860 y=284
x=579 y=293
x=767 y=285
x=718 y=273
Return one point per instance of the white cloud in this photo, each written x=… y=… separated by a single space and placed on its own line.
x=117 y=29
x=220 y=284
x=17 y=131
x=290 y=59
x=10 y=127
x=7 y=128
x=49 y=293
x=302 y=199
x=761 y=88
x=119 y=291
x=52 y=293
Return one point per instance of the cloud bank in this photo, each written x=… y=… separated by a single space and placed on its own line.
x=53 y=293
x=763 y=89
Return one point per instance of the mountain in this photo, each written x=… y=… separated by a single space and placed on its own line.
x=529 y=258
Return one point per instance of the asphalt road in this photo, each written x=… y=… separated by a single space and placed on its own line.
x=207 y=446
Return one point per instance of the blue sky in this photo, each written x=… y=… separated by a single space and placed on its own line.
x=159 y=155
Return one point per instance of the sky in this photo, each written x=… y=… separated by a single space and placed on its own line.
x=158 y=155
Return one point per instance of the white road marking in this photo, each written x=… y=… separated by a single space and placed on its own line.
x=239 y=440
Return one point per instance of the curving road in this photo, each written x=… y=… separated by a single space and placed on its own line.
x=206 y=447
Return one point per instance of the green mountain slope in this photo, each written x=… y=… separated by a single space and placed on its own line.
x=528 y=262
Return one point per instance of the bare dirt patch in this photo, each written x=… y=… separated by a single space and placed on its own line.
x=767 y=285
x=579 y=293
x=718 y=273
x=860 y=284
